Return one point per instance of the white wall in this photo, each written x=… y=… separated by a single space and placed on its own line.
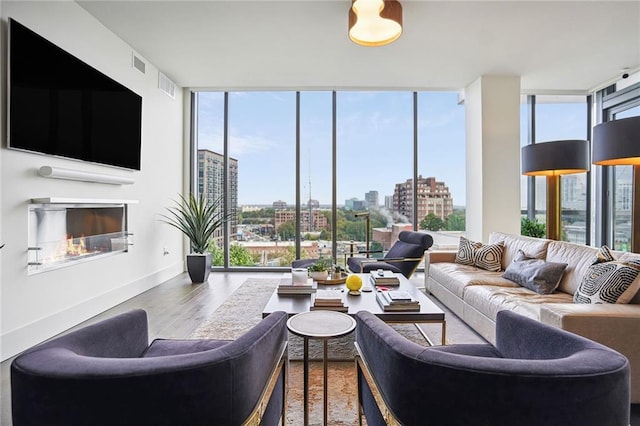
x=492 y=107
x=36 y=307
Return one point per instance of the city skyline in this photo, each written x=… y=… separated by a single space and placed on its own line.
x=374 y=133
x=262 y=138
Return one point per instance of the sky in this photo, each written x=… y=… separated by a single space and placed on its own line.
x=374 y=132
x=374 y=142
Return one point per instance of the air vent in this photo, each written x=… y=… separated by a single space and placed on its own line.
x=166 y=85
x=138 y=64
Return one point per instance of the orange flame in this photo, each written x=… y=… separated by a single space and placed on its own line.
x=76 y=249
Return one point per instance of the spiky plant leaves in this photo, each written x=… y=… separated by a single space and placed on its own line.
x=197 y=218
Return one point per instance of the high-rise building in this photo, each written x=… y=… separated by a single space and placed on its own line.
x=433 y=197
x=372 y=199
x=574 y=192
x=211 y=184
x=279 y=205
x=318 y=220
x=388 y=202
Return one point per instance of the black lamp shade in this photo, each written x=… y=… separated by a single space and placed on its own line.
x=555 y=158
x=617 y=142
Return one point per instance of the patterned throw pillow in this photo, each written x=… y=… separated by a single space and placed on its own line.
x=466 y=250
x=474 y=253
x=604 y=255
x=610 y=281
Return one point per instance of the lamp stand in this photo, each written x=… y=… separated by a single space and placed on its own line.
x=368 y=227
x=635 y=210
x=553 y=208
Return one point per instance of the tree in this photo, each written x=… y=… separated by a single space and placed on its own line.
x=376 y=246
x=432 y=222
x=287 y=230
x=532 y=228
x=290 y=255
x=240 y=256
x=217 y=258
x=456 y=221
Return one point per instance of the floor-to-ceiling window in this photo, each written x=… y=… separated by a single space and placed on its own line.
x=441 y=153
x=305 y=174
x=552 y=118
x=374 y=156
x=623 y=194
x=615 y=183
x=316 y=177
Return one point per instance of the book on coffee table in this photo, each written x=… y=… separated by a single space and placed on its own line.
x=288 y=287
x=401 y=304
x=331 y=300
x=387 y=278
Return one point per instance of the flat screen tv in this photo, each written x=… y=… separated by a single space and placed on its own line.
x=61 y=106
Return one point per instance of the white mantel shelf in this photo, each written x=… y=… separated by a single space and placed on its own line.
x=62 y=200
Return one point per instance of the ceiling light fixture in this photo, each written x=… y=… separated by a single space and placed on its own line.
x=375 y=22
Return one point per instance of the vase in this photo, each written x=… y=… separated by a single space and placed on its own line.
x=319 y=275
x=199 y=267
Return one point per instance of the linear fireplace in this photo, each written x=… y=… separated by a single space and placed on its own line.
x=63 y=232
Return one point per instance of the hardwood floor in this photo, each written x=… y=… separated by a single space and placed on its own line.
x=175 y=309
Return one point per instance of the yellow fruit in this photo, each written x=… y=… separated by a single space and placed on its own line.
x=354 y=282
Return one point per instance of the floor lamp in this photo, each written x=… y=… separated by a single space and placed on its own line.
x=553 y=159
x=617 y=143
x=367 y=216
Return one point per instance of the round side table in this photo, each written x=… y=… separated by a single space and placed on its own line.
x=323 y=325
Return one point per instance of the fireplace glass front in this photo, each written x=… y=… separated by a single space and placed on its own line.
x=64 y=234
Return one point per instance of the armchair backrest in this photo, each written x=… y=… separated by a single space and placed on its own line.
x=410 y=244
x=99 y=375
x=585 y=384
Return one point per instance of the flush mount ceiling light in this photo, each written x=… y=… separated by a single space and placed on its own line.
x=375 y=22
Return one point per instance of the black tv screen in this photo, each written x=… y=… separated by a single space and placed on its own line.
x=61 y=106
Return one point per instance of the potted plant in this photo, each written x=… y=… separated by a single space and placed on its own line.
x=319 y=270
x=198 y=219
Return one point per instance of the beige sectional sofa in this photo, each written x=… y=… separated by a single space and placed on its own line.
x=476 y=296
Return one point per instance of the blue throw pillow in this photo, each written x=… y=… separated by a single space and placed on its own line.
x=535 y=274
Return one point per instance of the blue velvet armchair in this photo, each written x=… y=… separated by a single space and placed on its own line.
x=535 y=375
x=107 y=374
x=403 y=257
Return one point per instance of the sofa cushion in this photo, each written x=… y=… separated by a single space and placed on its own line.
x=533 y=247
x=455 y=277
x=609 y=282
x=535 y=274
x=578 y=257
x=489 y=300
x=487 y=256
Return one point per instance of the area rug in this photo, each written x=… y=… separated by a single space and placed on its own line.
x=243 y=309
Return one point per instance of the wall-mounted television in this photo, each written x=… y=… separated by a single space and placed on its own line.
x=59 y=105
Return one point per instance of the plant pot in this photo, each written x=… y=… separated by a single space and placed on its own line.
x=199 y=267
x=319 y=275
